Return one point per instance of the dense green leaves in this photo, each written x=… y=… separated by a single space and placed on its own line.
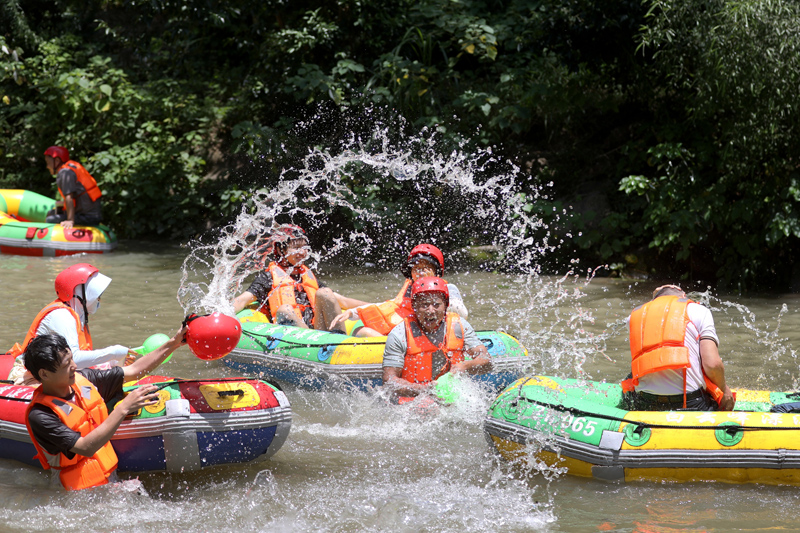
x=670 y=128
x=728 y=73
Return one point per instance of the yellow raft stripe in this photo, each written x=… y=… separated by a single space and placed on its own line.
x=358 y=353
x=744 y=395
x=13 y=197
x=58 y=234
x=514 y=451
x=705 y=439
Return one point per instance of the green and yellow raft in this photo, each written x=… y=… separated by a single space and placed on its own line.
x=319 y=359
x=23 y=230
x=585 y=428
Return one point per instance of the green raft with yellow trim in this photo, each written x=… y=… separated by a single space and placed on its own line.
x=23 y=230
x=584 y=428
x=314 y=360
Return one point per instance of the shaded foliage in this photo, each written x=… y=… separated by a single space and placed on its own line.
x=667 y=128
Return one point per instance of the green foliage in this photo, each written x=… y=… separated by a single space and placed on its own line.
x=724 y=180
x=142 y=143
x=670 y=126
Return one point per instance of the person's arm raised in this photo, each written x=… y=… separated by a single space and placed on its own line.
x=144 y=365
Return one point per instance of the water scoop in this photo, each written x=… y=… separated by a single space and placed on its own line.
x=213 y=336
x=446 y=388
x=153 y=342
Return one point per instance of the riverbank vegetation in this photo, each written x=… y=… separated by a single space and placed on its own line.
x=669 y=130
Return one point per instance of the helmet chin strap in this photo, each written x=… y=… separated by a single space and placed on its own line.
x=82 y=300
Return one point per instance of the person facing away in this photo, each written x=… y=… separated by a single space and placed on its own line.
x=288 y=291
x=80 y=196
x=67 y=419
x=379 y=319
x=675 y=361
x=78 y=291
x=430 y=342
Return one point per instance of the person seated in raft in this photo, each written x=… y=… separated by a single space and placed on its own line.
x=80 y=197
x=430 y=343
x=78 y=292
x=675 y=356
x=68 y=420
x=288 y=291
x=379 y=319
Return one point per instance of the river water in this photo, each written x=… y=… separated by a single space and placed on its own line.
x=353 y=463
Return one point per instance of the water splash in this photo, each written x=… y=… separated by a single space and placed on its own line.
x=378 y=198
x=450 y=200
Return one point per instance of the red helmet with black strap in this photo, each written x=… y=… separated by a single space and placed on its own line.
x=70 y=278
x=430 y=284
x=59 y=152
x=424 y=251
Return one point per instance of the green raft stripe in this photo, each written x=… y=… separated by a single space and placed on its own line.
x=727 y=428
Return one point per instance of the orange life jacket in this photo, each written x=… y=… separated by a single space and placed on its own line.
x=86 y=411
x=85 y=179
x=84 y=336
x=657 y=334
x=418 y=366
x=385 y=316
x=284 y=286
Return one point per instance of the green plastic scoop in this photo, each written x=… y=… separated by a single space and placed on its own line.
x=153 y=342
x=445 y=388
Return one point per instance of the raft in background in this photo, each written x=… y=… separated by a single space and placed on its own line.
x=314 y=359
x=23 y=230
x=585 y=428
x=195 y=424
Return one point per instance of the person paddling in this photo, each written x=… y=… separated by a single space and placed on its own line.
x=430 y=343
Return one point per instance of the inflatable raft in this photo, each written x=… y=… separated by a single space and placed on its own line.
x=317 y=359
x=23 y=230
x=585 y=428
x=195 y=424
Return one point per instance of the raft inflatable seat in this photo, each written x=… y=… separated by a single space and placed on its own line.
x=196 y=423
x=315 y=359
x=585 y=428
x=23 y=230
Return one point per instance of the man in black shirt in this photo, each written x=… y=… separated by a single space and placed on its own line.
x=288 y=291
x=67 y=419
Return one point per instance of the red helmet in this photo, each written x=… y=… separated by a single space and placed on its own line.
x=212 y=336
x=59 y=152
x=281 y=237
x=71 y=277
x=424 y=251
x=431 y=284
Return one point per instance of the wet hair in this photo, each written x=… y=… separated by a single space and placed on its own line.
x=45 y=353
x=668 y=290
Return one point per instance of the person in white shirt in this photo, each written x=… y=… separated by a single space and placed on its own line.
x=675 y=361
x=78 y=290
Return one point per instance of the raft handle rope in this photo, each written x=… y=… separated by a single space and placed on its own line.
x=177 y=381
x=641 y=426
x=305 y=345
x=326 y=345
